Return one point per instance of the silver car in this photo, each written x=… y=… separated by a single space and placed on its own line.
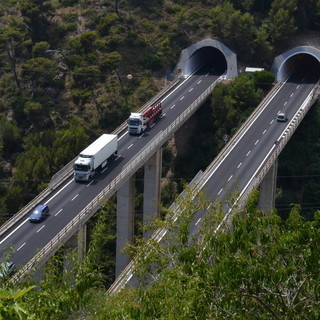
x=282 y=117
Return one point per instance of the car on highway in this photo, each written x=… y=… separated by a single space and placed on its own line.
x=39 y=213
x=282 y=117
x=6 y=269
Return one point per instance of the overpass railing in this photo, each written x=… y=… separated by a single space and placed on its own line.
x=281 y=142
x=127 y=273
x=43 y=254
x=67 y=170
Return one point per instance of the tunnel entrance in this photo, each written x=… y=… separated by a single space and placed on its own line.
x=211 y=54
x=305 y=59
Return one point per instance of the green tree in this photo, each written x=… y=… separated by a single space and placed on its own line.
x=39 y=72
x=11 y=305
x=68 y=144
x=281 y=22
x=12 y=46
x=264 y=268
x=35 y=14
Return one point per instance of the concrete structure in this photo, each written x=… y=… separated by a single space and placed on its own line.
x=267 y=189
x=125 y=222
x=199 y=53
x=283 y=63
x=151 y=191
x=126 y=206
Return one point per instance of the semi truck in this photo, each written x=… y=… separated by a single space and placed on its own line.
x=139 y=122
x=95 y=156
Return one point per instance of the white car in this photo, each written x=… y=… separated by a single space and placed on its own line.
x=282 y=117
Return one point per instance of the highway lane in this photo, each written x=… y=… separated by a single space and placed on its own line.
x=242 y=162
x=26 y=238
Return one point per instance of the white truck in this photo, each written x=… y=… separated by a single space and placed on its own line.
x=95 y=156
x=139 y=122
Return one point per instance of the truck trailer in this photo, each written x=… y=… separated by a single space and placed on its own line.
x=139 y=122
x=95 y=156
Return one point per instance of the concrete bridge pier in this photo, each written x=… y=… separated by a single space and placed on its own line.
x=151 y=192
x=268 y=189
x=126 y=206
x=125 y=222
x=79 y=241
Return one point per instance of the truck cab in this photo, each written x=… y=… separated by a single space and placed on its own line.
x=83 y=168
x=136 y=123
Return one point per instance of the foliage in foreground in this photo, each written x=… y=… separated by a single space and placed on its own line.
x=68 y=283
x=264 y=269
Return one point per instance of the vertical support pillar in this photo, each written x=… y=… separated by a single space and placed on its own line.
x=79 y=241
x=268 y=186
x=82 y=241
x=151 y=193
x=125 y=222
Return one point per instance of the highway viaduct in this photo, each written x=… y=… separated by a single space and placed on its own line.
x=190 y=61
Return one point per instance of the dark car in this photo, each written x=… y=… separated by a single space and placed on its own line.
x=282 y=117
x=39 y=213
x=6 y=269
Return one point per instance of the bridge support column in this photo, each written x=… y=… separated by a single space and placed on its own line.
x=268 y=189
x=151 y=192
x=78 y=240
x=125 y=222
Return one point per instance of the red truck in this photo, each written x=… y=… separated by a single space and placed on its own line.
x=139 y=122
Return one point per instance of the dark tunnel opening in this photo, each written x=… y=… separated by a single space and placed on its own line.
x=304 y=65
x=207 y=59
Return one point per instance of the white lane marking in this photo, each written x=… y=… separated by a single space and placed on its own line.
x=4 y=239
x=220 y=191
x=58 y=212
x=75 y=197
x=104 y=169
x=285 y=103
x=173 y=106
x=140 y=137
x=152 y=125
x=256 y=142
x=297 y=86
x=89 y=183
x=182 y=98
x=239 y=165
x=265 y=130
x=123 y=135
x=248 y=153
x=21 y=246
x=243 y=133
x=199 y=82
x=41 y=228
x=175 y=89
x=117 y=157
x=198 y=221
x=58 y=192
x=130 y=146
x=162 y=115
x=291 y=94
x=190 y=89
x=207 y=74
x=272 y=121
x=230 y=177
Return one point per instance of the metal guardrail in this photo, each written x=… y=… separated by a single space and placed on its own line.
x=44 y=253
x=273 y=155
x=67 y=170
x=125 y=276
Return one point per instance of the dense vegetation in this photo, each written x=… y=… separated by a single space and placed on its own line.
x=263 y=269
x=63 y=81
x=63 y=68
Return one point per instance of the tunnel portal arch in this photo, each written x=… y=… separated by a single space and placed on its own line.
x=283 y=63
x=192 y=57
